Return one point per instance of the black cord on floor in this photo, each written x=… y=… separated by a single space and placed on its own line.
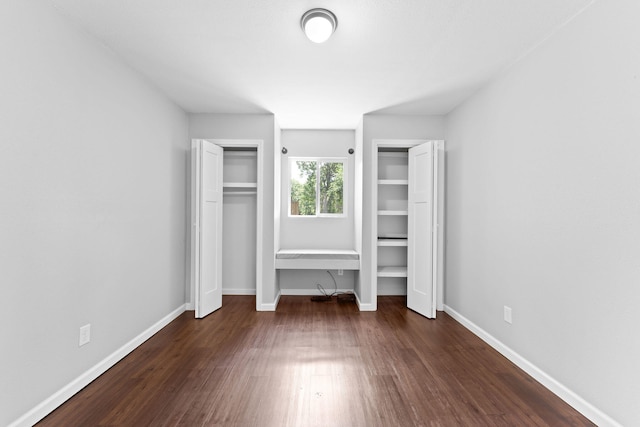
x=349 y=296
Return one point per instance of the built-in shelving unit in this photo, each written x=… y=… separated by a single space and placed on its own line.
x=239 y=188
x=240 y=185
x=392 y=271
x=392 y=242
x=386 y=212
x=393 y=182
x=406 y=228
x=239 y=173
x=392 y=220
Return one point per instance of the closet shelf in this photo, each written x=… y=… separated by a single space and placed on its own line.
x=392 y=271
x=239 y=185
x=399 y=213
x=239 y=188
x=239 y=193
x=392 y=242
x=393 y=182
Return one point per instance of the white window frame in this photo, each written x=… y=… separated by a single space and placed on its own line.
x=318 y=160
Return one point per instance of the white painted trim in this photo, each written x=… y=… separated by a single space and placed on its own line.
x=260 y=223
x=578 y=403
x=398 y=143
x=311 y=292
x=373 y=208
x=238 y=291
x=235 y=143
x=58 y=398
x=365 y=307
x=277 y=213
x=441 y=217
x=270 y=306
x=189 y=306
x=435 y=230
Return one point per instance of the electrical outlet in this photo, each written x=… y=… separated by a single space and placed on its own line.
x=340 y=272
x=507 y=314
x=85 y=335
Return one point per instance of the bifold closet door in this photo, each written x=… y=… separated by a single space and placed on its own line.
x=208 y=228
x=420 y=254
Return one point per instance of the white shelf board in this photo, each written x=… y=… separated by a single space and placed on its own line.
x=392 y=271
x=392 y=242
x=396 y=213
x=239 y=185
x=318 y=259
x=239 y=193
x=393 y=182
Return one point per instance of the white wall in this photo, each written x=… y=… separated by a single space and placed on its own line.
x=247 y=126
x=92 y=206
x=317 y=232
x=384 y=127
x=544 y=208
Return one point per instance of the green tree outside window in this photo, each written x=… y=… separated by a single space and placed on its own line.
x=316 y=187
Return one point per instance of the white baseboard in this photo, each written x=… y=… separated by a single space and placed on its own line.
x=270 y=306
x=62 y=395
x=365 y=307
x=237 y=291
x=578 y=403
x=189 y=306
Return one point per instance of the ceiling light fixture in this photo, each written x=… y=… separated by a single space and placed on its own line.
x=318 y=24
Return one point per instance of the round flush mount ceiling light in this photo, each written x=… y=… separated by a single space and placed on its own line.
x=318 y=24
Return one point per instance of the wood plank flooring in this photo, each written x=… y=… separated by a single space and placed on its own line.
x=314 y=364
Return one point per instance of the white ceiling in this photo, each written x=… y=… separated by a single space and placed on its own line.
x=250 y=56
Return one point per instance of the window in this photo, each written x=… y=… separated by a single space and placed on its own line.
x=316 y=187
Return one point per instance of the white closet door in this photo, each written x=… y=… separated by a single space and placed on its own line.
x=420 y=266
x=208 y=287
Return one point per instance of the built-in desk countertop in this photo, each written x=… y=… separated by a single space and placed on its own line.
x=318 y=259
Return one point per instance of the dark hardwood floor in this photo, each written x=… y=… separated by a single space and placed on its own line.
x=314 y=364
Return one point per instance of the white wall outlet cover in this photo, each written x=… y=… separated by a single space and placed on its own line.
x=85 y=335
x=507 y=314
